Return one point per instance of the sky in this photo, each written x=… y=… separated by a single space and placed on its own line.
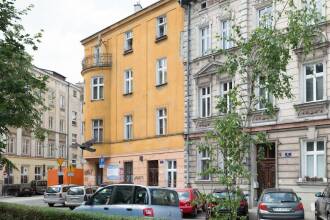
x=65 y=24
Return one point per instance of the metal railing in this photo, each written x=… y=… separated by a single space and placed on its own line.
x=103 y=60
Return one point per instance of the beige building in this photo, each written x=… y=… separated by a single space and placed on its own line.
x=300 y=132
x=63 y=123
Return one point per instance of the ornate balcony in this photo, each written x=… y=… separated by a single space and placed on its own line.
x=103 y=60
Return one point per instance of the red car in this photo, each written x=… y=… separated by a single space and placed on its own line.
x=189 y=201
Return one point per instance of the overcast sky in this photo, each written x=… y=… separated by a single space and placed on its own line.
x=65 y=23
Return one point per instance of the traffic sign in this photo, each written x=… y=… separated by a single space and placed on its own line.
x=60 y=161
x=101 y=162
x=70 y=174
x=70 y=168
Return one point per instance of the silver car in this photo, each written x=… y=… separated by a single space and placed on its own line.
x=56 y=194
x=78 y=195
x=134 y=200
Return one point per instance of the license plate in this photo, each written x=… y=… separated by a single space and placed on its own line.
x=282 y=209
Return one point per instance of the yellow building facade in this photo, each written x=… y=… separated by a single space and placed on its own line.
x=134 y=99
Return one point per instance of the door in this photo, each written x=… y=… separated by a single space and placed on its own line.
x=100 y=201
x=128 y=172
x=99 y=175
x=153 y=172
x=122 y=201
x=266 y=167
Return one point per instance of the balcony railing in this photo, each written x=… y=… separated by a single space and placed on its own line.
x=103 y=60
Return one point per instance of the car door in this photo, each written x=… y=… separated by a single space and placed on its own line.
x=122 y=201
x=100 y=201
x=140 y=201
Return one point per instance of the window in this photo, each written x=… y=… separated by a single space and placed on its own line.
x=161 y=121
x=264 y=97
x=164 y=197
x=128 y=172
x=9 y=177
x=82 y=128
x=123 y=194
x=128 y=127
x=161 y=26
x=61 y=151
x=103 y=196
x=140 y=196
x=264 y=16
x=203 y=5
x=226 y=34
x=51 y=149
x=161 y=71
x=204 y=40
x=61 y=125
x=26 y=146
x=320 y=6
x=74 y=93
x=314 y=90
x=62 y=102
x=11 y=144
x=37 y=173
x=74 y=138
x=74 y=118
x=39 y=149
x=226 y=87
x=24 y=174
x=97 y=52
x=128 y=41
x=205 y=101
x=128 y=82
x=171 y=173
x=50 y=122
x=314 y=159
x=204 y=165
x=98 y=130
x=97 y=88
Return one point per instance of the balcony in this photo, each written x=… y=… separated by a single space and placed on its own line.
x=103 y=60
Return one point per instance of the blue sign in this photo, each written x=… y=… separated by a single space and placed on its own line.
x=101 y=162
x=113 y=172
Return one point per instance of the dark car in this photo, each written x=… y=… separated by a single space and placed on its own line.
x=189 y=201
x=219 y=195
x=322 y=204
x=277 y=203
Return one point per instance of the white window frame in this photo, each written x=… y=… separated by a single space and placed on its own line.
x=203 y=156
x=74 y=138
x=128 y=41
x=128 y=127
x=39 y=148
x=62 y=102
x=97 y=54
x=171 y=171
x=99 y=85
x=97 y=125
x=226 y=43
x=314 y=153
x=161 y=118
x=161 y=71
x=38 y=173
x=50 y=122
x=128 y=81
x=51 y=149
x=26 y=146
x=74 y=118
x=320 y=6
x=205 y=40
x=62 y=125
x=225 y=93
x=61 y=150
x=161 y=24
x=267 y=95
x=24 y=174
x=11 y=144
x=262 y=12
x=314 y=76
x=208 y=101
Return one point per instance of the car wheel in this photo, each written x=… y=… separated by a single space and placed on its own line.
x=51 y=204
x=71 y=207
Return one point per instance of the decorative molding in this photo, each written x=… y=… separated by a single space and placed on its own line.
x=204 y=123
x=261 y=116
x=312 y=108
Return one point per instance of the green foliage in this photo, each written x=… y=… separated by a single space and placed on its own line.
x=22 y=212
x=21 y=101
x=258 y=62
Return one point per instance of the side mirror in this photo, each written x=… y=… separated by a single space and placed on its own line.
x=299 y=198
x=319 y=194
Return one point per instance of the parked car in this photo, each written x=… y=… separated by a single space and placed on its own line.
x=56 y=194
x=216 y=206
x=23 y=189
x=189 y=202
x=78 y=195
x=322 y=208
x=277 y=203
x=134 y=200
x=39 y=186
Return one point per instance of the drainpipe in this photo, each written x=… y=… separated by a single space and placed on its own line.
x=188 y=90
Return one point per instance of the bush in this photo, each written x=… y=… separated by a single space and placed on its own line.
x=22 y=212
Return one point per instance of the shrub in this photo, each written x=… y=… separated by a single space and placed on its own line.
x=22 y=212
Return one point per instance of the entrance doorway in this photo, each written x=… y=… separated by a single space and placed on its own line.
x=153 y=173
x=266 y=167
x=99 y=175
x=128 y=172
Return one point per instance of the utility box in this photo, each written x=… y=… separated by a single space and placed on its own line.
x=70 y=176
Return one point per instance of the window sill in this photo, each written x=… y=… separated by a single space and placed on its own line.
x=312 y=108
x=161 y=38
x=128 y=51
x=161 y=85
x=260 y=115
x=96 y=100
x=312 y=183
x=128 y=94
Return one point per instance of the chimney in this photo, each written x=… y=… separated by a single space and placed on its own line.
x=137 y=7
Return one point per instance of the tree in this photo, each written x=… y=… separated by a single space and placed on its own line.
x=21 y=100
x=258 y=62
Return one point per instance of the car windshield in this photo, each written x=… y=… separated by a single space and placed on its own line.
x=183 y=195
x=277 y=197
x=53 y=189
x=223 y=195
x=164 y=197
x=76 y=191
